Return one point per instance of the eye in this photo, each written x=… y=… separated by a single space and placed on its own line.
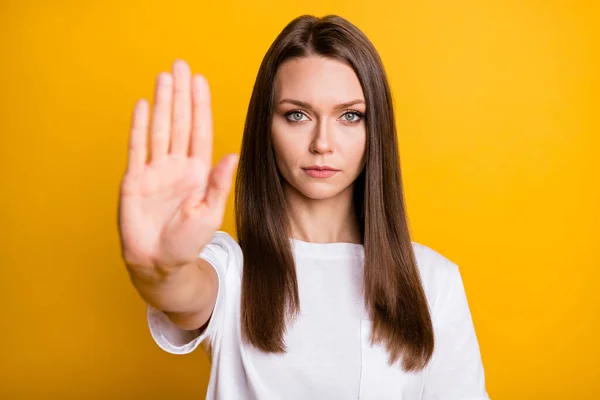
x=295 y=116
x=352 y=117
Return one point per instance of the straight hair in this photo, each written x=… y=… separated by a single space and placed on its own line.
x=393 y=292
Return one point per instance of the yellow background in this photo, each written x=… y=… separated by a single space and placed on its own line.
x=497 y=105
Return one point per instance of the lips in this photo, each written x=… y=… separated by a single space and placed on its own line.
x=320 y=168
x=320 y=171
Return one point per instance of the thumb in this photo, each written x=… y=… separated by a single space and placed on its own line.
x=219 y=182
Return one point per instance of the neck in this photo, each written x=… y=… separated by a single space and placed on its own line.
x=330 y=220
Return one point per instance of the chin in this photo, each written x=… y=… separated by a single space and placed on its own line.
x=318 y=191
x=319 y=194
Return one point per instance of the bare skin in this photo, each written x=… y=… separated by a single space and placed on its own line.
x=325 y=130
x=172 y=201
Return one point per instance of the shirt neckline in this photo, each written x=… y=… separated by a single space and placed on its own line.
x=326 y=250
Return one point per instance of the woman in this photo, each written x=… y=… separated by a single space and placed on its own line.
x=325 y=296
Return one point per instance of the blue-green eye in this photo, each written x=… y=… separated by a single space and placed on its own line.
x=352 y=117
x=295 y=116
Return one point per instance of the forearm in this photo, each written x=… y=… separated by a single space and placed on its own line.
x=186 y=295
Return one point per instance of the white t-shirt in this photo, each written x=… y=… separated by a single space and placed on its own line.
x=329 y=354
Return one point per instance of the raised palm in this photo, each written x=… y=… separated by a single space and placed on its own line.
x=171 y=200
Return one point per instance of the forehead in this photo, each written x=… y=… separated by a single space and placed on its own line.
x=317 y=80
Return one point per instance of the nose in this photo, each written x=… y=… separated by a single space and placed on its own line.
x=322 y=142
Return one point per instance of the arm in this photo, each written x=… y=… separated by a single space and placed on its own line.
x=187 y=296
x=177 y=338
x=456 y=369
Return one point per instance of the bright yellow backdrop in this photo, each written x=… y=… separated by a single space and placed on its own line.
x=497 y=106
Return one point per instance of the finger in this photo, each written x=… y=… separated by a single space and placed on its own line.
x=215 y=196
x=220 y=182
x=161 y=116
x=202 y=134
x=182 y=109
x=138 y=138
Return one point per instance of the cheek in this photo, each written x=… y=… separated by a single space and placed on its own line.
x=290 y=143
x=283 y=146
x=355 y=151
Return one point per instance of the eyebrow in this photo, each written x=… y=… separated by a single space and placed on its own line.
x=336 y=107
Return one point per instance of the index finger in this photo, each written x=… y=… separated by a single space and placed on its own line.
x=202 y=129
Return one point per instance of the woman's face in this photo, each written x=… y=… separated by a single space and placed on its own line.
x=318 y=120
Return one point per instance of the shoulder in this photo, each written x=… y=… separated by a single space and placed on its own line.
x=223 y=250
x=440 y=276
x=224 y=239
x=431 y=263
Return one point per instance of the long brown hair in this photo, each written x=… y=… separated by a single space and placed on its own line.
x=393 y=291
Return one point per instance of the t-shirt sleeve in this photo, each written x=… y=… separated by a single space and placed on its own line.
x=176 y=340
x=456 y=369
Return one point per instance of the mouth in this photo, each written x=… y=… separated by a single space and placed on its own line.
x=320 y=168
x=320 y=171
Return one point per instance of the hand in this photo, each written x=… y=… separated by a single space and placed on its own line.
x=171 y=200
